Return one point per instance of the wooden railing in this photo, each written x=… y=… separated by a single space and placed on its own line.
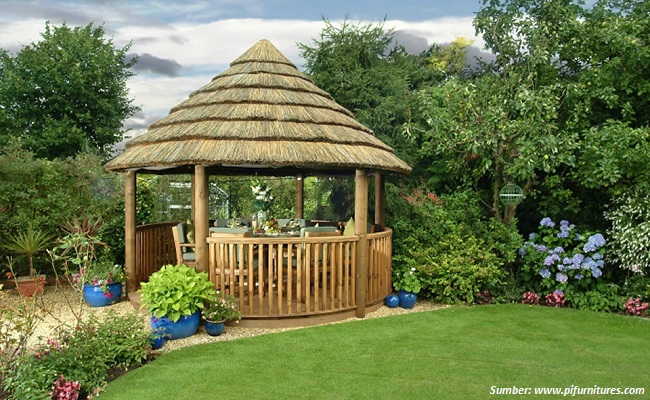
x=154 y=248
x=379 y=284
x=298 y=277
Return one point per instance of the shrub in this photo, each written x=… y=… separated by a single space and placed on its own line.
x=562 y=259
x=484 y=297
x=555 y=299
x=604 y=298
x=635 y=307
x=456 y=269
x=84 y=354
x=636 y=285
x=530 y=298
x=17 y=325
x=630 y=218
x=456 y=249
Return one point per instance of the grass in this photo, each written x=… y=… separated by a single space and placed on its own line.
x=455 y=353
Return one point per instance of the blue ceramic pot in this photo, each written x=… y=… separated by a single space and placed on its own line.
x=186 y=326
x=95 y=297
x=407 y=299
x=392 y=300
x=214 y=328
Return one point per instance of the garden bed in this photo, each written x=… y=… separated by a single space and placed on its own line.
x=58 y=301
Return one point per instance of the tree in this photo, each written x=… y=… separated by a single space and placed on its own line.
x=66 y=93
x=564 y=103
x=366 y=72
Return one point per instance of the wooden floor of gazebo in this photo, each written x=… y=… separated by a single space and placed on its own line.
x=284 y=282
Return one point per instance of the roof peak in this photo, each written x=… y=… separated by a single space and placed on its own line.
x=263 y=51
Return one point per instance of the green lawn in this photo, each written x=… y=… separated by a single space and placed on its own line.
x=455 y=353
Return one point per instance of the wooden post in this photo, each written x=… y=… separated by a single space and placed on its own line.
x=129 y=232
x=361 y=228
x=201 y=217
x=300 y=196
x=380 y=199
x=192 y=199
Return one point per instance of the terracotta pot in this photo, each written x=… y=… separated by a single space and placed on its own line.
x=27 y=286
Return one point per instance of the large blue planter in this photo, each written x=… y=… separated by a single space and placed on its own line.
x=214 y=328
x=186 y=326
x=95 y=297
x=407 y=299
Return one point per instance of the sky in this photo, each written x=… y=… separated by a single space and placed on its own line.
x=182 y=45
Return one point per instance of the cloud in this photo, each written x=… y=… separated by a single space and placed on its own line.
x=148 y=63
x=412 y=43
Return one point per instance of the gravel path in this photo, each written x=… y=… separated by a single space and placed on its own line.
x=57 y=303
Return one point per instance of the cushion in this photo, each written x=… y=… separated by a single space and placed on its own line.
x=189 y=232
x=349 y=228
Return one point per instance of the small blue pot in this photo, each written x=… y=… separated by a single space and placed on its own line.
x=157 y=342
x=407 y=299
x=186 y=326
x=214 y=328
x=95 y=297
x=392 y=300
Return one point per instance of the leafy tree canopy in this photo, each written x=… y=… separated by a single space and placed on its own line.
x=565 y=98
x=66 y=93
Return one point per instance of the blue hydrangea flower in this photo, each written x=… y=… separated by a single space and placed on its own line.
x=588 y=247
x=560 y=267
x=532 y=236
x=559 y=292
x=564 y=223
x=563 y=234
x=522 y=251
x=558 y=250
x=547 y=222
x=597 y=256
x=579 y=276
x=550 y=260
x=577 y=259
x=589 y=263
x=541 y=248
x=596 y=272
x=544 y=273
x=597 y=240
x=560 y=277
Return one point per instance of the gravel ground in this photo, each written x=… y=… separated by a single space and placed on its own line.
x=57 y=304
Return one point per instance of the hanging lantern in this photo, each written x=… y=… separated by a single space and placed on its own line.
x=511 y=194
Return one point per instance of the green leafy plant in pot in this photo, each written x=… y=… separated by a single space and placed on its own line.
x=174 y=296
x=26 y=244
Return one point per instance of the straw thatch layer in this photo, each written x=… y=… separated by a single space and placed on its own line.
x=242 y=152
x=261 y=111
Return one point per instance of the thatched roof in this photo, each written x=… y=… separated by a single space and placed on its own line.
x=261 y=113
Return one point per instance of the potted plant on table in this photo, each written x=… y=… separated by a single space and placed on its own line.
x=408 y=284
x=174 y=297
x=219 y=310
x=27 y=244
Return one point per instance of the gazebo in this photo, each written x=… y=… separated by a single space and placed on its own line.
x=263 y=117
